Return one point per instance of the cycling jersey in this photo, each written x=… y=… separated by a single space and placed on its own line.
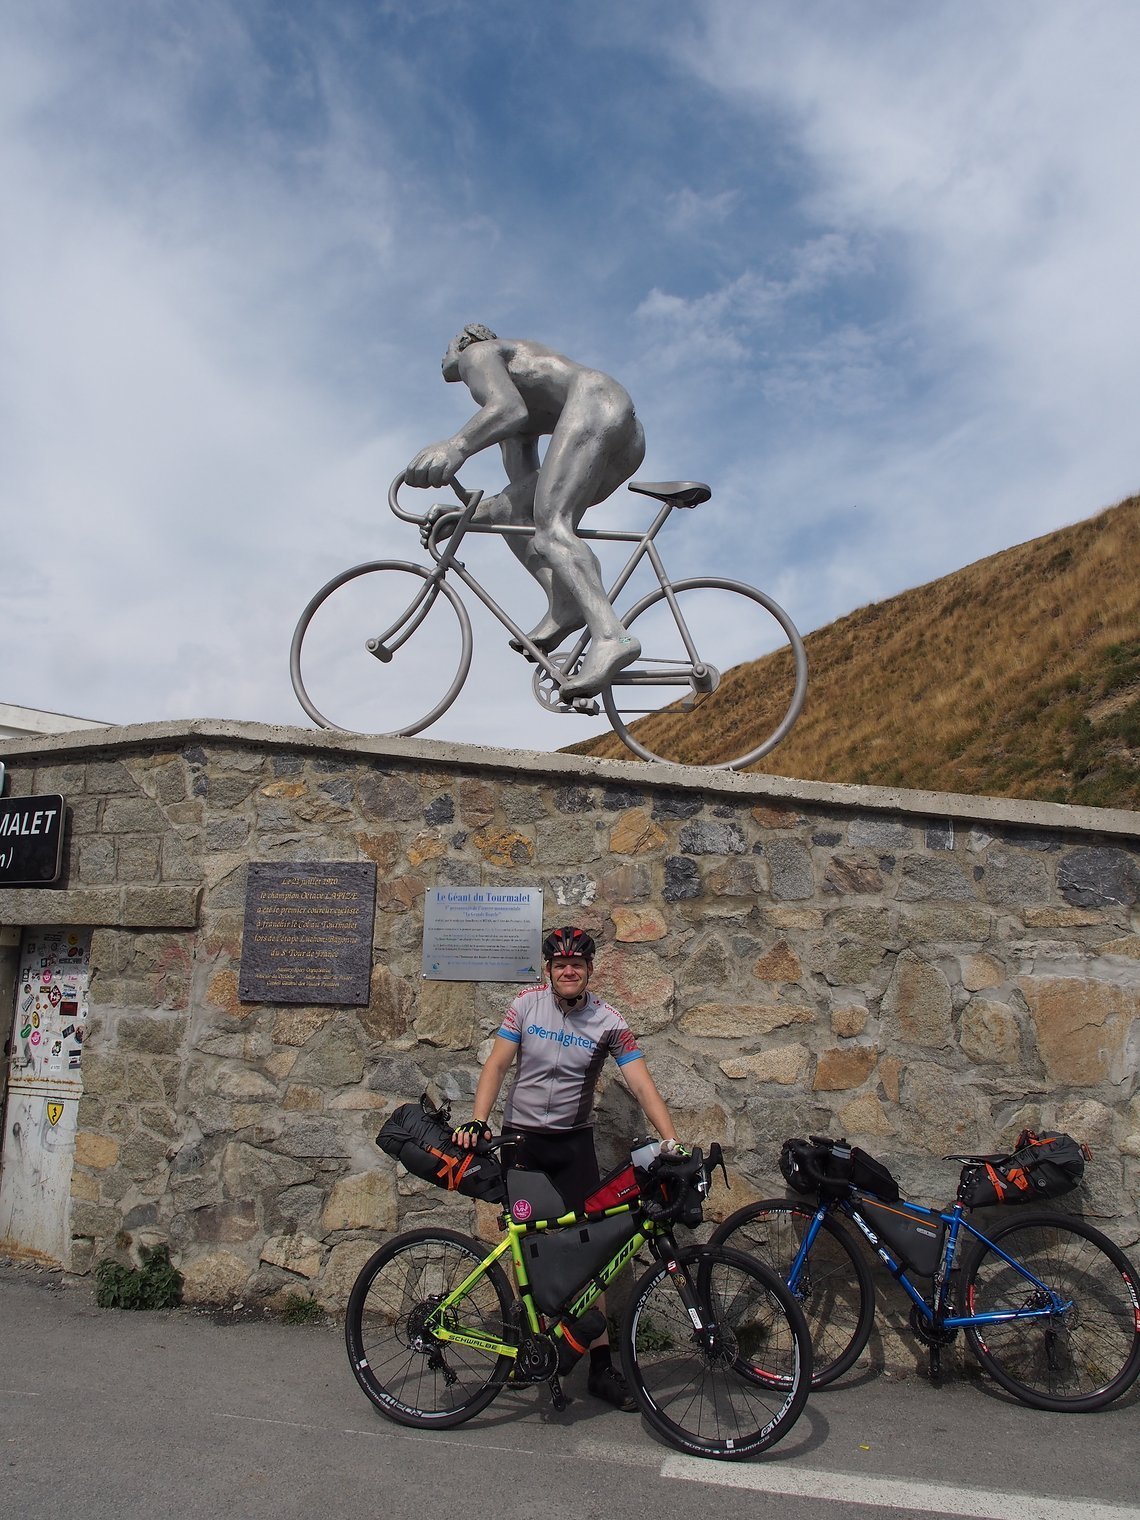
x=560 y=1057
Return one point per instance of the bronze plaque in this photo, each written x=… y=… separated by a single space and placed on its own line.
x=308 y=933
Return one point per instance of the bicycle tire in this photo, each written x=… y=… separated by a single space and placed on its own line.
x=411 y=1378
x=1085 y=1357
x=743 y=1396
x=672 y=729
x=330 y=649
x=835 y=1289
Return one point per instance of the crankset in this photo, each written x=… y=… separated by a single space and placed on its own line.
x=548 y=691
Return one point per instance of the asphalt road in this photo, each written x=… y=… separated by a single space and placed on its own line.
x=112 y=1414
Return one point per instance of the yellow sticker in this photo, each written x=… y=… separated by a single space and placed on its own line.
x=54 y=1112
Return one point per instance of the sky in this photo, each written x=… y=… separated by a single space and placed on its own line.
x=868 y=269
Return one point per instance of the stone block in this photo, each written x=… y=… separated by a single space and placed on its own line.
x=848 y=1020
x=635 y=833
x=743 y=1021
x=636 y=926
x=784 y=1066
x=577 y=890
x=865 y=1116
x=165 y=907
x=343 y=1267
x=980 y=972
x=842 y=1068
x=96 y=1151
x=638 y=984
x=504 y=847
x=1099 y=877
x=854 y=875
x=299 y=1254
x=790 y=870
x=706 y=837
x=390 y=1003
x=934 y=876
x=296 y=1026
x=682 y=880
x=214 y=1277
x=779 y=964
x=364 y=1201
x=1082 y=1027
x=989 y=1032
x=567 y=841
x=445 y=1015
x=917 y=1005
x=392 y=797
x=332 y=1058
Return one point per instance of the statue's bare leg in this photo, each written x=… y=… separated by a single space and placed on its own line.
x=514 y=505
x=597 y=444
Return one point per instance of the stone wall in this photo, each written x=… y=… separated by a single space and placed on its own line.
x=921 y=973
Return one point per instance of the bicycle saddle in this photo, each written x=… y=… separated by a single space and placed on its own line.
x=686 y=493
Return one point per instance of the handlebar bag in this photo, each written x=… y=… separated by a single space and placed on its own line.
x=418 y=1138
x=1041 y=1166
x=811 y=1167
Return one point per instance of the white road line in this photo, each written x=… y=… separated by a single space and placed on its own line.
x=890 y=1493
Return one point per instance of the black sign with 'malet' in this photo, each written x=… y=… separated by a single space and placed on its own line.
x=31 y=841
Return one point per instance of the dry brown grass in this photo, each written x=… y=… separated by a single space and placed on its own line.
x=1016 y=676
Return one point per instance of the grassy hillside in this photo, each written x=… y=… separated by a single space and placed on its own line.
x=1018 y=676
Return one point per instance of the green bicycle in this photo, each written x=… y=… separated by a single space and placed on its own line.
x=713 y=1344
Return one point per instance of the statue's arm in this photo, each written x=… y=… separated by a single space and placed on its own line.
x=502 y=415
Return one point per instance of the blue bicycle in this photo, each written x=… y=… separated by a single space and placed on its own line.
x=1049 y=1305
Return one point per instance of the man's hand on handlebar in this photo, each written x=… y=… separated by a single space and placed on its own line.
x=468 y=1135
x=435 y=465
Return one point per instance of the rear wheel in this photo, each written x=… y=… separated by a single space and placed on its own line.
x=833 y=1286
x=697 y=641
x=731 y=1392
x=407 y=1372
x=1086 y=1352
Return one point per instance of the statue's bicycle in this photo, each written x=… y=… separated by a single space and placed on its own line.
x=349 y=635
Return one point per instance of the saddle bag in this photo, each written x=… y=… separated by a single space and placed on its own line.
x=418 y=1136
x=1041 y=1166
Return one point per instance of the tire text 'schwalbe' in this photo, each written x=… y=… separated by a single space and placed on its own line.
x=1088 y=1355
x=438 y=1386
x=748 y=1395
x=391 y=599
x=732 y=588
x=835 y=1289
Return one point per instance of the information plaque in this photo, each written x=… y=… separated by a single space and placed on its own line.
x=482 y=934
x=308 y=933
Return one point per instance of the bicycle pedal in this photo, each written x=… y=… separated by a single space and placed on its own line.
x=584 y=705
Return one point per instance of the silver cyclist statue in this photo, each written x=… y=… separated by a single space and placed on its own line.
x=650 y=664
x=525 y=392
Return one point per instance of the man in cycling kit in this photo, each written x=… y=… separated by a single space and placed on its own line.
x=557 y=1037
x=527 y=392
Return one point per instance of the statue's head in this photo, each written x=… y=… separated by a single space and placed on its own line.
x=474 y=332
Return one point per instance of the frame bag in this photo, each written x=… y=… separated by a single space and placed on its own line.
x=1042 y=1166
x=418 y=1136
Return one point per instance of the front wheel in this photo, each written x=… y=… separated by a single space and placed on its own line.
x=700 y=640
x=1086 y=1351
x=832 y=1284
x=347 y=661
x=407 y=1372
x=733 y=1387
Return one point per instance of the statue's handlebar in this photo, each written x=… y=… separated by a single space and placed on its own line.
x=465 y=496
